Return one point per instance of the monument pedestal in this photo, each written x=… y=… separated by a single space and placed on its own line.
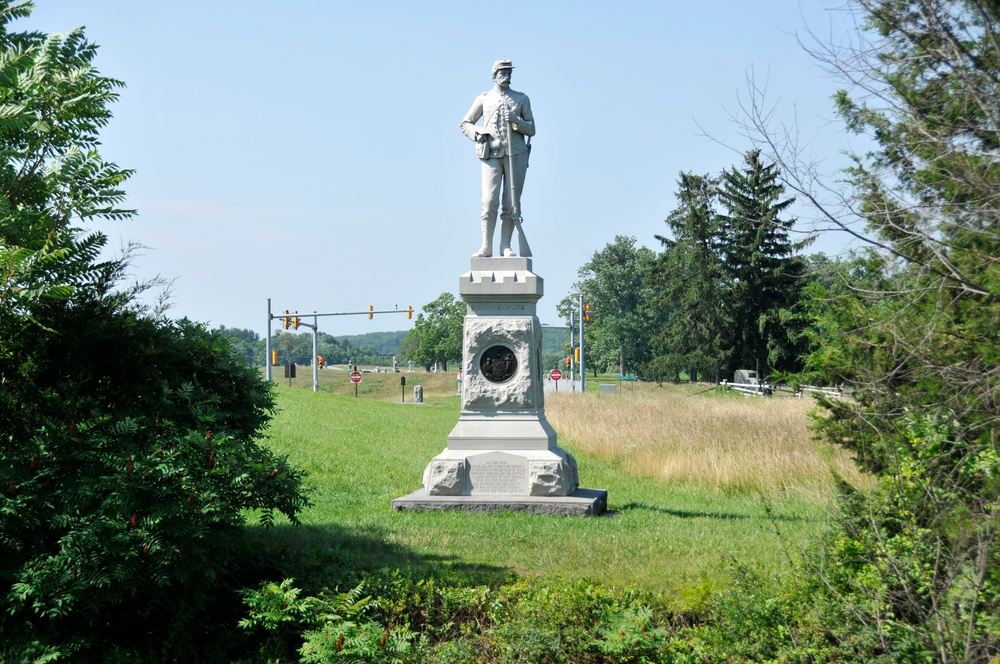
x=502 y=454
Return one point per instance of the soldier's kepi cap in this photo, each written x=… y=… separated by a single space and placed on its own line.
x=501 y=64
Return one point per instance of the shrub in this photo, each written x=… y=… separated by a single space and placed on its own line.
x=433 y=620
x=127 y=473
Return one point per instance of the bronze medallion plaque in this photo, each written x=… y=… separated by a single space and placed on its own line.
x=498 y=364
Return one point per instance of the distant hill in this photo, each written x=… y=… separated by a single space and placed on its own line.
x=386 y=343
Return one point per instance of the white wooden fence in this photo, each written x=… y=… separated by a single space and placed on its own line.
x=766 y=390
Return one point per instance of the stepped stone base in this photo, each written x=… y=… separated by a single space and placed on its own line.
x=501 y=473
x=582 y=502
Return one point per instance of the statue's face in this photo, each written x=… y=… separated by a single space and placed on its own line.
x=502 y=79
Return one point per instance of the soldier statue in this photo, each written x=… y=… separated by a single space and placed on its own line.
x=503 y=150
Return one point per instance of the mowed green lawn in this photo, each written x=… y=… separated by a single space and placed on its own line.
x=362 y=453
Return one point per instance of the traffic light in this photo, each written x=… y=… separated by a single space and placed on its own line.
x=274 y=358
x=288 y=321
x=586 y=313
x=409 y=313
x=320 y=360
x=569 y=361
x=576 y=353
x=296 y=321
x=371 y=309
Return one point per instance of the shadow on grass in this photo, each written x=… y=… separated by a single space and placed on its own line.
x=331 y=555
x=726 y=516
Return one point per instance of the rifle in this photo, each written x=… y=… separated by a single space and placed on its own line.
x=522 y=242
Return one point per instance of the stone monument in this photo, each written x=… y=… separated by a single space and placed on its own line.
x=502 y=454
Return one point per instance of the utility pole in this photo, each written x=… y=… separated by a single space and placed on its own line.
x=267 y=345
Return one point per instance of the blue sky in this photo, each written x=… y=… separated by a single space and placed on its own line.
x=309 y=151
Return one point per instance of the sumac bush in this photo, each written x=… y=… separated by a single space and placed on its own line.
x=130 y=445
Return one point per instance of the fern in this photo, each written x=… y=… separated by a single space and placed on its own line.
x=334 y=626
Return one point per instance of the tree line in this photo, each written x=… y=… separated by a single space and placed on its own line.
x=726 y=291
x=372 y=349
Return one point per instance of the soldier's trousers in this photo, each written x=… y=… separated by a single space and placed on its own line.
x=496 y=181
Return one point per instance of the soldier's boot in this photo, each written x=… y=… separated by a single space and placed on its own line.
x=487 y=249
x=506 y=232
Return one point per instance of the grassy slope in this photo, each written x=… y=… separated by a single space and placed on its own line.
x=364 y=452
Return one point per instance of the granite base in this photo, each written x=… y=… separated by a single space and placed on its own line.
x=582 y=502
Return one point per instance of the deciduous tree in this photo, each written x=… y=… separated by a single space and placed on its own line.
x=437 y=333
x=613 y=283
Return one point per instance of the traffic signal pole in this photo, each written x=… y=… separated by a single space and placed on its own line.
x=572 y=360
x=290 y=316
x=315 y=331
x=583 y=372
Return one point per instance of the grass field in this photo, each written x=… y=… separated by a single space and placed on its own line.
x=728 y=444
x=667 y=529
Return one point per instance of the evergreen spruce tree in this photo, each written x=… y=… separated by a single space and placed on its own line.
x=764 y=273
x=687 y=282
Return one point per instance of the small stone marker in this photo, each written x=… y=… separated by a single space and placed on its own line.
x=418 y=394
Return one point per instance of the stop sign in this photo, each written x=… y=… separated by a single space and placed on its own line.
x=556 y=374
x=355 y=376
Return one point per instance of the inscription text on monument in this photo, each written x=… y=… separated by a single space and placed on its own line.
x=498 y=473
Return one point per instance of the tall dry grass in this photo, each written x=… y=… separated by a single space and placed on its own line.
x=725 y=444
